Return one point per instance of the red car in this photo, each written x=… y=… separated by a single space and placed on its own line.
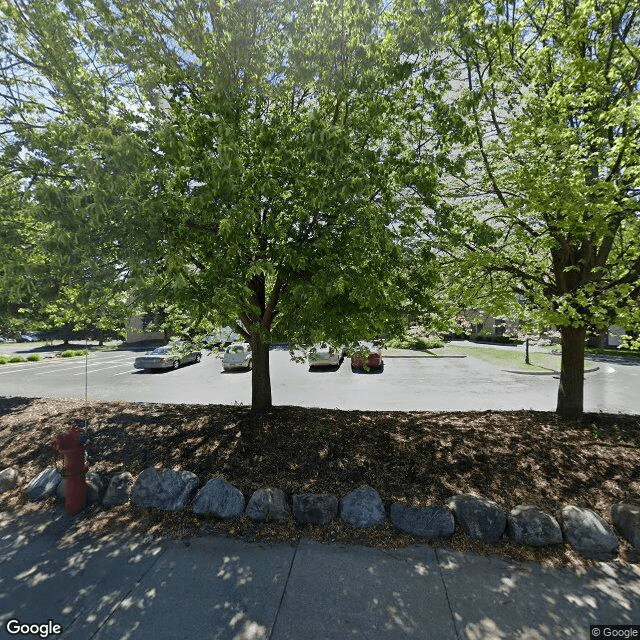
x=374 y=359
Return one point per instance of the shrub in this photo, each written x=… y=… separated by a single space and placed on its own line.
x=3 y=360
x=415 y=342
x=34 y=357
x=431 y=343
x=629 y=342
x=16 y=359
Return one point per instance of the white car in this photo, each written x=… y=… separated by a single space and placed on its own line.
x=322 y=355
x=237 y=356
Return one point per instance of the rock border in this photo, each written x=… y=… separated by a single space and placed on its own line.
x=479 y=518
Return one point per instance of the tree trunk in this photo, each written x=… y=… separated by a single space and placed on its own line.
x=602 y=338
x=571 y=390
x=260 y=376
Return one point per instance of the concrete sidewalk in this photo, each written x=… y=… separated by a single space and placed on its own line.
x=115 y=587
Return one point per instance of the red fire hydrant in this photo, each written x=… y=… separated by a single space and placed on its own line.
x=74 y=470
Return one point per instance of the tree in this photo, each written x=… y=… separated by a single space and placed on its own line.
x=264 y=191
x=66 y=161
x=544 y=104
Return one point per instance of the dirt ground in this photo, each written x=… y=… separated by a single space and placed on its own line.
x=418 y=458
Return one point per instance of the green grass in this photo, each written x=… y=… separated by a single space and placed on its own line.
x=621 y=353
x=507 y=359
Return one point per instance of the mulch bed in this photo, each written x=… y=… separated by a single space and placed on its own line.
x=418 y=458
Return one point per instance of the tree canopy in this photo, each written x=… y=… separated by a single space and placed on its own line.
x=245 y=155
x=544 y=105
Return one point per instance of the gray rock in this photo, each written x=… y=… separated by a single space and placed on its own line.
x=627 y=518
x=363 y=508
x=481 y=519
x=119 y=490
x=587 y=532
x=219 y=498
x=95 y=488
x=314 y=508
x=9 y=479
x=530 y=525
x=44 y=485
x=165 y=489
x=427 y=522
x=267 y=504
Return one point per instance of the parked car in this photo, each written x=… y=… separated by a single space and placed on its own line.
x=373 y=359
x=222 y=337
x=171 y=356
x=237 y=356
x=26 y=337
x=322 y=355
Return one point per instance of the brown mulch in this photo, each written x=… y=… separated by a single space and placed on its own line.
x=418 y=458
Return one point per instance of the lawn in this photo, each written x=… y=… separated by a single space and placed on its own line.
x=418 y=458
x=511 y=358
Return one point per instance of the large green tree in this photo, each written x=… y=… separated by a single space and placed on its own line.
x=66 y=161
x=268 y=143
x=544 y=105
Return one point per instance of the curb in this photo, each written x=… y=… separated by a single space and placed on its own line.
x=545 y=373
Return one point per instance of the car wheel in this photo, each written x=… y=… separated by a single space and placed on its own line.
x=175 y=364
x=198 y=357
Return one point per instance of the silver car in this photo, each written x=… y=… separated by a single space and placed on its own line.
x=322 y=355
x=171 y=356
x=237 y=356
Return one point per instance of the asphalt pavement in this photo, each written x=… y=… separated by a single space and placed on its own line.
x=409 y=381
x=116 y=587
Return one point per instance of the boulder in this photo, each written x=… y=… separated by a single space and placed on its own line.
x=9 y=479
x=587 y=532
x=314 y=508
x=481 y=519
x=627 y=518
x=119 y=489
x=363 y=508
x=529 y=525
x=427 y=522
x=220 y=499
x=95 y=488
x=44 y=485
x=165 y=489
x=267 y=504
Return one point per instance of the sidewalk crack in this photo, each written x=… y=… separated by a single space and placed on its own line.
x=284 y=591
x=126 y=595
x=446 y=595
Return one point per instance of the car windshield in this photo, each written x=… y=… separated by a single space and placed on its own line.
x=160 y=351
x=237 y=348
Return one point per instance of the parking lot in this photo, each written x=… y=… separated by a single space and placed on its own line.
x=405 y=383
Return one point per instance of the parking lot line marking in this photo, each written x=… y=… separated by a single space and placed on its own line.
x=123 y=372
x=14 y=369
x=103 y=368
x=67 y=366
